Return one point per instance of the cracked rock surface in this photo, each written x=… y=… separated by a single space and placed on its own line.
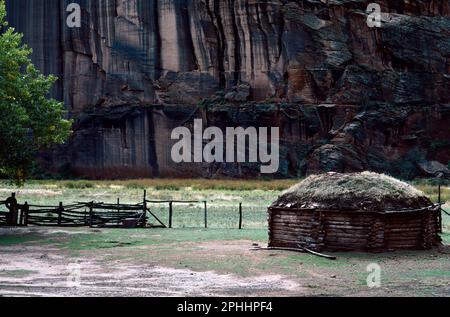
x=346 y=97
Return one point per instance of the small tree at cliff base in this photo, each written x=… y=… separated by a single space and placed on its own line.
x=29 y=120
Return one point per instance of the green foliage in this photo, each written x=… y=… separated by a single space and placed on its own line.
x=29 y=120
x=79 y=185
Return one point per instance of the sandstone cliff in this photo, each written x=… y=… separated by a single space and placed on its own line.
x=346 y=97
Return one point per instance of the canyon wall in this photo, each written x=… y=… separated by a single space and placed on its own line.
x=345 y=96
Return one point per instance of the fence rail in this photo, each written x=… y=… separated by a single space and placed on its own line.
x=92 y=214
x=171 y=203
x=118 y=215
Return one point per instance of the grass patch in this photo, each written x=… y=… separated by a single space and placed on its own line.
x=233 y=264
x=290 y=263
x=10 y=240
x=432 y=191
x=436 y=273
x=17 y=273
x=113 y=238
x=173 y=184
x=446 y=238
x=76 y=185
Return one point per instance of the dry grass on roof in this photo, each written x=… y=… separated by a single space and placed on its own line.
x=365 y=191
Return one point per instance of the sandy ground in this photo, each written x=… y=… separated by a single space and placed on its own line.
x=44 y=272
x=183 y=269
x=53 y=275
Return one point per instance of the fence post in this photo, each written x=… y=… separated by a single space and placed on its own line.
x=60 y=211
x=25 y=211
x=440 y=208
x=20 y=209
x=11 y=204
x=91 y=216
x=206 y=215
x=170 y=214
x=240 y=216
x=144 y=206
x=118 y=212
x=15 y=211
x=85 y=216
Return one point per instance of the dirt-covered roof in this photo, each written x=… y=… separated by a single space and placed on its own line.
x=365 y=191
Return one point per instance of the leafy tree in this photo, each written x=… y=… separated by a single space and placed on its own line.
x=29 y=120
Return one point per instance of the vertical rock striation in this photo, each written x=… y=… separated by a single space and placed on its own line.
x=347 y=97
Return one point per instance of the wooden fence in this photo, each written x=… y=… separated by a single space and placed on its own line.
x=170 y=204
x=77 y=215
x=94 y=214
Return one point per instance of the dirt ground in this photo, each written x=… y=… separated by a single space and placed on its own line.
x=84 y=262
